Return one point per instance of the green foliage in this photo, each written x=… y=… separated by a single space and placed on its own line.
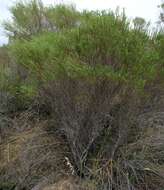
x=4 y=67
x=26 y=19
x=24 y=93
x=160 y=49
x=7 y=186
x=59 y=41
x=11 y=82
x=30 y=18
x=62 y=17
x=102 y=44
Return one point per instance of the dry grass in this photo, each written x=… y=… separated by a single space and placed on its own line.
x=33 y=155
x=128 y=154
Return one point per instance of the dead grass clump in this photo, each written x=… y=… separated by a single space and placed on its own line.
x=138 y=164
x=33 y=155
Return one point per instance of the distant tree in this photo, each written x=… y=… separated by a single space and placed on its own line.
x=140 y=23
x=161 y=17
x=30 y=18
x=26 y=19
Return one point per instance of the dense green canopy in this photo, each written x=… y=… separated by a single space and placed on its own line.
x=51 y=41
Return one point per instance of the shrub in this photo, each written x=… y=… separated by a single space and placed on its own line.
x=89 y=69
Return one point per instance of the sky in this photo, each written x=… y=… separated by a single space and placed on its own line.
x=134 y=8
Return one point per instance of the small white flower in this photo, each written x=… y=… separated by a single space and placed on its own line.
x=70 y=165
